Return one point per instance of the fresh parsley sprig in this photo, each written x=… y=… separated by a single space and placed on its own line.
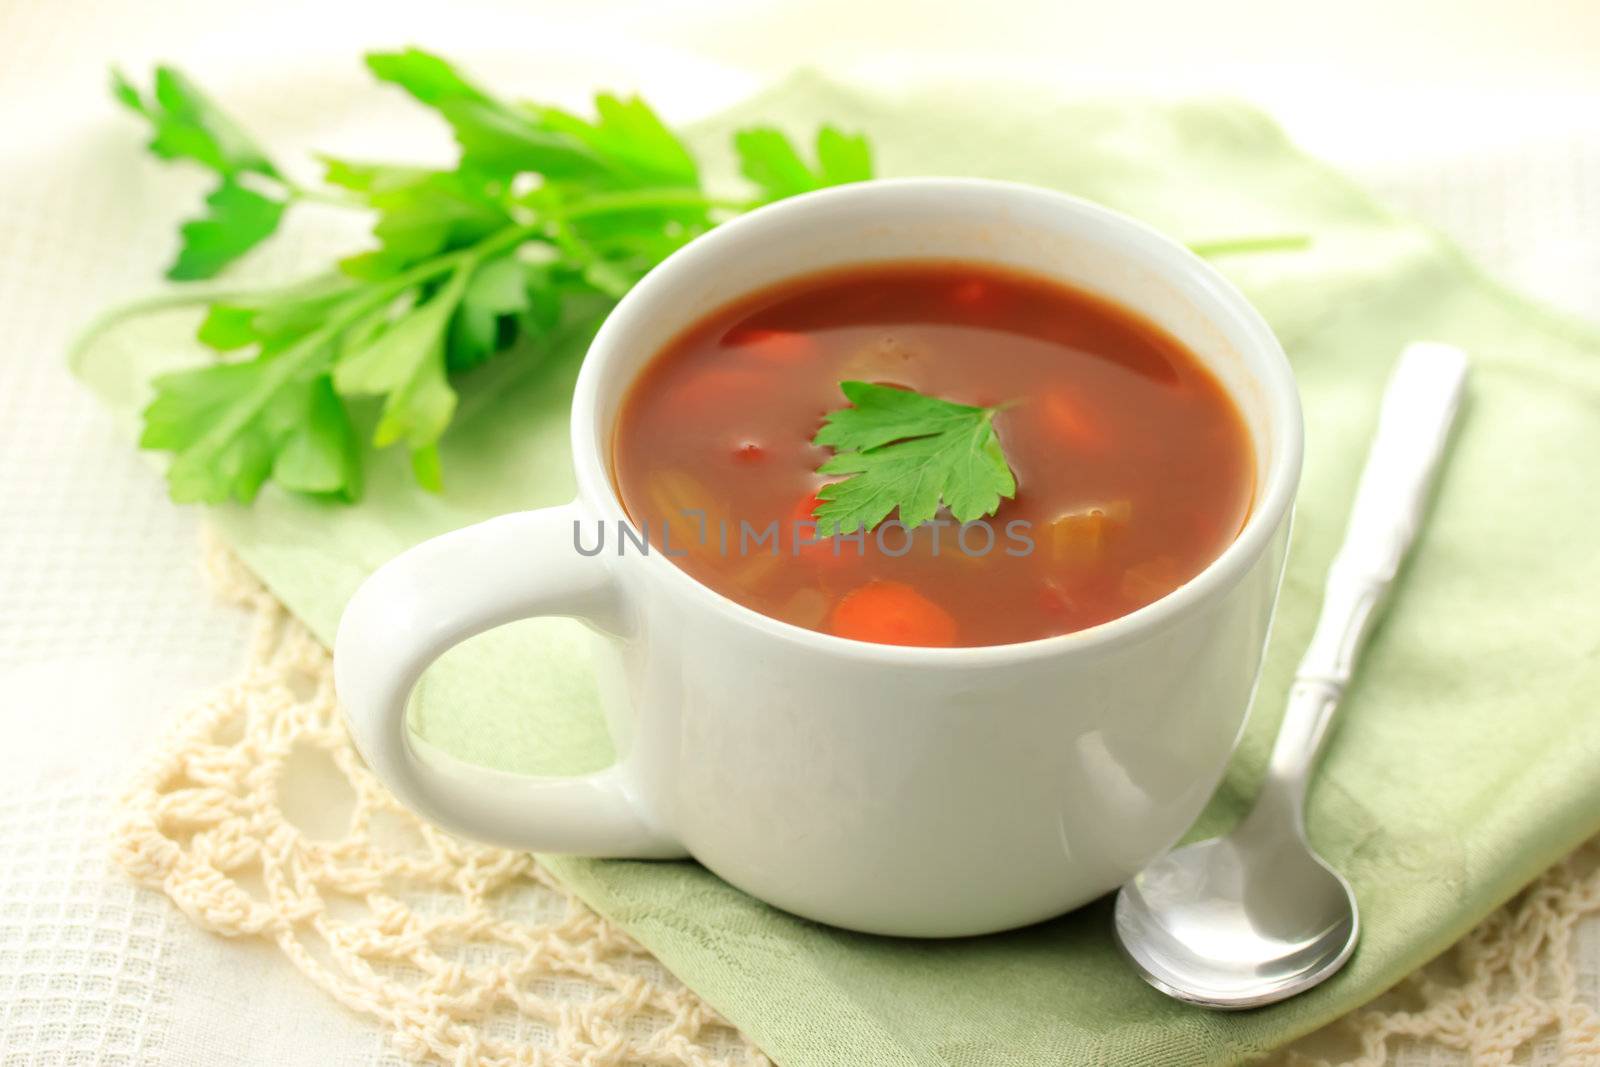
x=545 y=218
x=908 y=451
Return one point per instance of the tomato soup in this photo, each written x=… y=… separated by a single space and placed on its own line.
x=1132 y=465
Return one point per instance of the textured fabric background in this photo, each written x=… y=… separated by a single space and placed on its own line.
x=104 y=620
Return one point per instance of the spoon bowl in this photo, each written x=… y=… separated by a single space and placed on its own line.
x=1238 y=921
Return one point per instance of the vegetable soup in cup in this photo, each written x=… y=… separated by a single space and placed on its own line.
x=808 y=696
x=1124 y=467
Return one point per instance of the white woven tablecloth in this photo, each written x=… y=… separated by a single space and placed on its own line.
x=105 y=621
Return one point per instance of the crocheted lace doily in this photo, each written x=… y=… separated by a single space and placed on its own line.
x=470 y=955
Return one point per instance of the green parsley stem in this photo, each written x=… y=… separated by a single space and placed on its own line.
x=1286 y=242
x=311 y=195
x=188 y=298
x=646 y=199
x=108 y=320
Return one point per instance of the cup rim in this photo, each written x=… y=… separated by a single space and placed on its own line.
x=1169 y=258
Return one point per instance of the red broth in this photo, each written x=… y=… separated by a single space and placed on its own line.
x=1133 y=466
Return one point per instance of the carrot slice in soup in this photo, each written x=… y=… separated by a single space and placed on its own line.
x=892 y=613
x=971 y=293
x=805 y=509
x=798 y=533
x=1070 y=421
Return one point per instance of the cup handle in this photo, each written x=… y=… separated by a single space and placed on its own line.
x=436 y=595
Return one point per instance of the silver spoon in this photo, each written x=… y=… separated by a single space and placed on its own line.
x=1257 y=916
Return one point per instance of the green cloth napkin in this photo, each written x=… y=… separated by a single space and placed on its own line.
x=1464 y=761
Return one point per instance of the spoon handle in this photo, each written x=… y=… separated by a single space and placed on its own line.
x=1419 y=407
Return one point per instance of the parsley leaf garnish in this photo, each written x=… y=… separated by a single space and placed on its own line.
x=912 y=452
x=545 y=218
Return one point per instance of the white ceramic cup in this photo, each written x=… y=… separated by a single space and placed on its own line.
x=897 y=790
